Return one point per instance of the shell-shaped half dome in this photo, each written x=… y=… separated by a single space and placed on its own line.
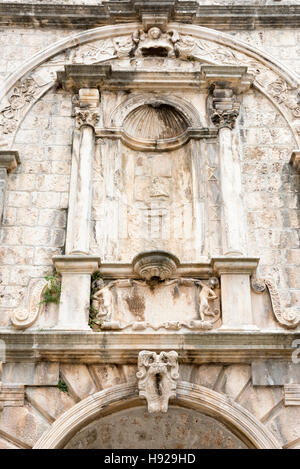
x=155 y=122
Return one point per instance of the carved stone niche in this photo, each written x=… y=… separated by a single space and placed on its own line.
x=157 y=294
x=157 y=376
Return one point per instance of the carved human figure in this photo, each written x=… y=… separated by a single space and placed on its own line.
x=206 y=294
x=103 y=298
x=155 y=42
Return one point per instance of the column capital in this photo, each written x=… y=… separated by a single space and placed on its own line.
x=225 y=107
x=70 y=264
x=86 y=117
x=9 y=159
x=87 y=113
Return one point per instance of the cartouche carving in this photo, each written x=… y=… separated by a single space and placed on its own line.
x=289 y=317
x=109 y=303
x=22 y=318
x=157 y=376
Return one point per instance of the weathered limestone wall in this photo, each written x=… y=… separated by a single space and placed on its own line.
x=44 y=404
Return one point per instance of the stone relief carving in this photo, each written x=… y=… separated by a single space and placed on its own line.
x=157 y=378
x=22 y=94
x=209 y=51
x=22 y=318
x=126 y=303
x=289 y=317
x=226 y=118
x=86 y=117
x=155 y=42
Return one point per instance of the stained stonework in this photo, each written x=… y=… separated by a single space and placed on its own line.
x=150 y=162
x=178 y=429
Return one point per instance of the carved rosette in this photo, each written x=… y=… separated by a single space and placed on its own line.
x=86 y=117
x=226 y=118
x=289 y=317
x=157 y=378
x=22 y=318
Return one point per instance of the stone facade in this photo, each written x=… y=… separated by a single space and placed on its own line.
x=149 y=202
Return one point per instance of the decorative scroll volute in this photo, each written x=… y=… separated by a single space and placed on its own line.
x=157 y=377
x=22 y=318
x=289 y=317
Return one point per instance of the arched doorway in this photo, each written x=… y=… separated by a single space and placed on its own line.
x=214 y=421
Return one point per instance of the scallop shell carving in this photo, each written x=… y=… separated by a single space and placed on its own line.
x=155 y=121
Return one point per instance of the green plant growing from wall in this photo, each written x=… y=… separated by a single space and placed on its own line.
x=62 y=386
x=52 y=292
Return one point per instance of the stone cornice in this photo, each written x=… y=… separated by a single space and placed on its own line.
x=9 y=159
x=222 y=17
x=295 y=160
x=122 y=348
x=104 y=76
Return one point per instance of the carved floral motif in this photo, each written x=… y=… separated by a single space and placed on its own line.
x=157 y=378
x=86 y=117
x=22 y=94
x=289 y=317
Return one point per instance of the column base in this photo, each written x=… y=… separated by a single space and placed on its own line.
x=76 y=271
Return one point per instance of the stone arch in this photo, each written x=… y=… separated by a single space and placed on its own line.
x=189 y=395
x=272 y=78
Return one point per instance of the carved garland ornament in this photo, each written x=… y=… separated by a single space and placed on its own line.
x=289 y=317
x=157 y=376
x=22 y=318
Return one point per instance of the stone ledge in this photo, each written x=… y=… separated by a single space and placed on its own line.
x=295 y=160
x=123 y=348
x=11 y=395
x=9 y=159
x=238 y=17
x=291 y=394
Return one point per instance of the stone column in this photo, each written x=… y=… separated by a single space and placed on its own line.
x=77 y=266
x=9 y=160
x=236 y=291
x=78 y=229
x=224 y=115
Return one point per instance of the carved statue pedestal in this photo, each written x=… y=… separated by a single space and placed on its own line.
x=74 y=303
x=235 y=275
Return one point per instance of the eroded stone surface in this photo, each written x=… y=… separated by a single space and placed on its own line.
x=178 y=429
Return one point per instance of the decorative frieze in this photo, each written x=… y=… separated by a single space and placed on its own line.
x=157 y=377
